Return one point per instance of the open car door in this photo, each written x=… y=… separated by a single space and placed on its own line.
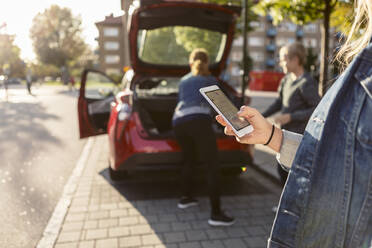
x=97 y=91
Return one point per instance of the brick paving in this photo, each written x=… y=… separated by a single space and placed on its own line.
x=142 y=211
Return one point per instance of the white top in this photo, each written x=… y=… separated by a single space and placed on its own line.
x=288 y=149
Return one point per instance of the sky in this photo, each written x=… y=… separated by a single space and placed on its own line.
x=18 y=15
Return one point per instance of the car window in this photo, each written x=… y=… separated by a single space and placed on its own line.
x=99 y=86
x=172 y=45
x=158 y=86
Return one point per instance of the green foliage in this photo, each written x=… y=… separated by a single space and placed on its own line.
x=10 y=57
x=172 y=45
x=223 y=2
x=298 y=11
x=191 y=38
x=40 y=70
x=116 y=77
x=161 y=47
x=57 y=36
x=342 y=17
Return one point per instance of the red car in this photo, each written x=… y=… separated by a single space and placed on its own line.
x=137 y=114
x=265 y=80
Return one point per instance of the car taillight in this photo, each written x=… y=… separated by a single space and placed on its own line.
x=124 y=112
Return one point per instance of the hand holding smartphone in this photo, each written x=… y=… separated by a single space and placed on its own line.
x=226 y=109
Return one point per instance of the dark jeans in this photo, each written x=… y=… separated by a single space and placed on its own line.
x=282 y=173
x=198 y=143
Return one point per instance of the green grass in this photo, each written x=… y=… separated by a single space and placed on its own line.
x=90 y=84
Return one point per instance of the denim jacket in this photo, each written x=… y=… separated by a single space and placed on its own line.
x=327 y=200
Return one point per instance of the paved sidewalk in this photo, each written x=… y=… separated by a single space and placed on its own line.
x=142 y=212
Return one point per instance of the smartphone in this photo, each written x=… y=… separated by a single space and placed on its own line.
x=226 y=109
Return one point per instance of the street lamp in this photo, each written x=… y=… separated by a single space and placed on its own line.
x=245 y=76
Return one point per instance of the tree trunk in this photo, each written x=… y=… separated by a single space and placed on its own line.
x=323 y=77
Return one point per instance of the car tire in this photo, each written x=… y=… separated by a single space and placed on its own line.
x=117 y=175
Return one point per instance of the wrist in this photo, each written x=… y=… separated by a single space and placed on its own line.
x=276 y=140
x=271 y=135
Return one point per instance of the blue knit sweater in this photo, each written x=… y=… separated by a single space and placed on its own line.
x=191 y=104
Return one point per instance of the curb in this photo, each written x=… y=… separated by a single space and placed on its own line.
x=53 y=227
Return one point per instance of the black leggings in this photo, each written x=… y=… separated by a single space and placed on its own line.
x=198 y=144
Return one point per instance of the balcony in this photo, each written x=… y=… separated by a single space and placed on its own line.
x=271 y=48
x=270 y=62
x=271 y=32
x=299 y=33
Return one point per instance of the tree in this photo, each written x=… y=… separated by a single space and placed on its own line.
x=10 y=56
x=302 y=12
x=57 y=36
x=343 y=15
x=40 y=70
x=172 y=45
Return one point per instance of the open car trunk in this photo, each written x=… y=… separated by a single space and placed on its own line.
x=155 y=100
x=156 y=115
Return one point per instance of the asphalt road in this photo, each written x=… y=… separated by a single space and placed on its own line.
x=39 y=147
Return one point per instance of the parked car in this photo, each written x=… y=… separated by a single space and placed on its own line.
x=13 y=81
x=265 y=80
x=137 y=113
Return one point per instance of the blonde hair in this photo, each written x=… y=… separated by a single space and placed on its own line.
x=199 y=62
x=356 y=42
x=295 y=49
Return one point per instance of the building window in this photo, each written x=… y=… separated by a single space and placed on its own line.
x=287 y=27
x=257 y=56
x=112 y=59
x=111 y=45
x=310 y=28
x=236 y=56
x=238 y=41
x=112 y=71
x=257 y=26
x=110 y=32
x=235 y=71
x=310 y=43
x=256 y=41
x=284 y=41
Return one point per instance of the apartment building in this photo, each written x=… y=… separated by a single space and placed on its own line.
x=111 y=45
x=265 y=41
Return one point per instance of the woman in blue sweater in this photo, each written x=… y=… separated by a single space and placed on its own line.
x=192 y=122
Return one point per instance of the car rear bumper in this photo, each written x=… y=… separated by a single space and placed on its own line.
x=173 y=160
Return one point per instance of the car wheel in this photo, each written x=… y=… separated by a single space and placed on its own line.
x=117 y=175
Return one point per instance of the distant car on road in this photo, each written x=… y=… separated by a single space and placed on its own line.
x=13 y=81
x=137 y=115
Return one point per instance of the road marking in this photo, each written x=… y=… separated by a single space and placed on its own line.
x=55 y=222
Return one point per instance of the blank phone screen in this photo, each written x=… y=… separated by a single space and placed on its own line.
x=227 y=109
